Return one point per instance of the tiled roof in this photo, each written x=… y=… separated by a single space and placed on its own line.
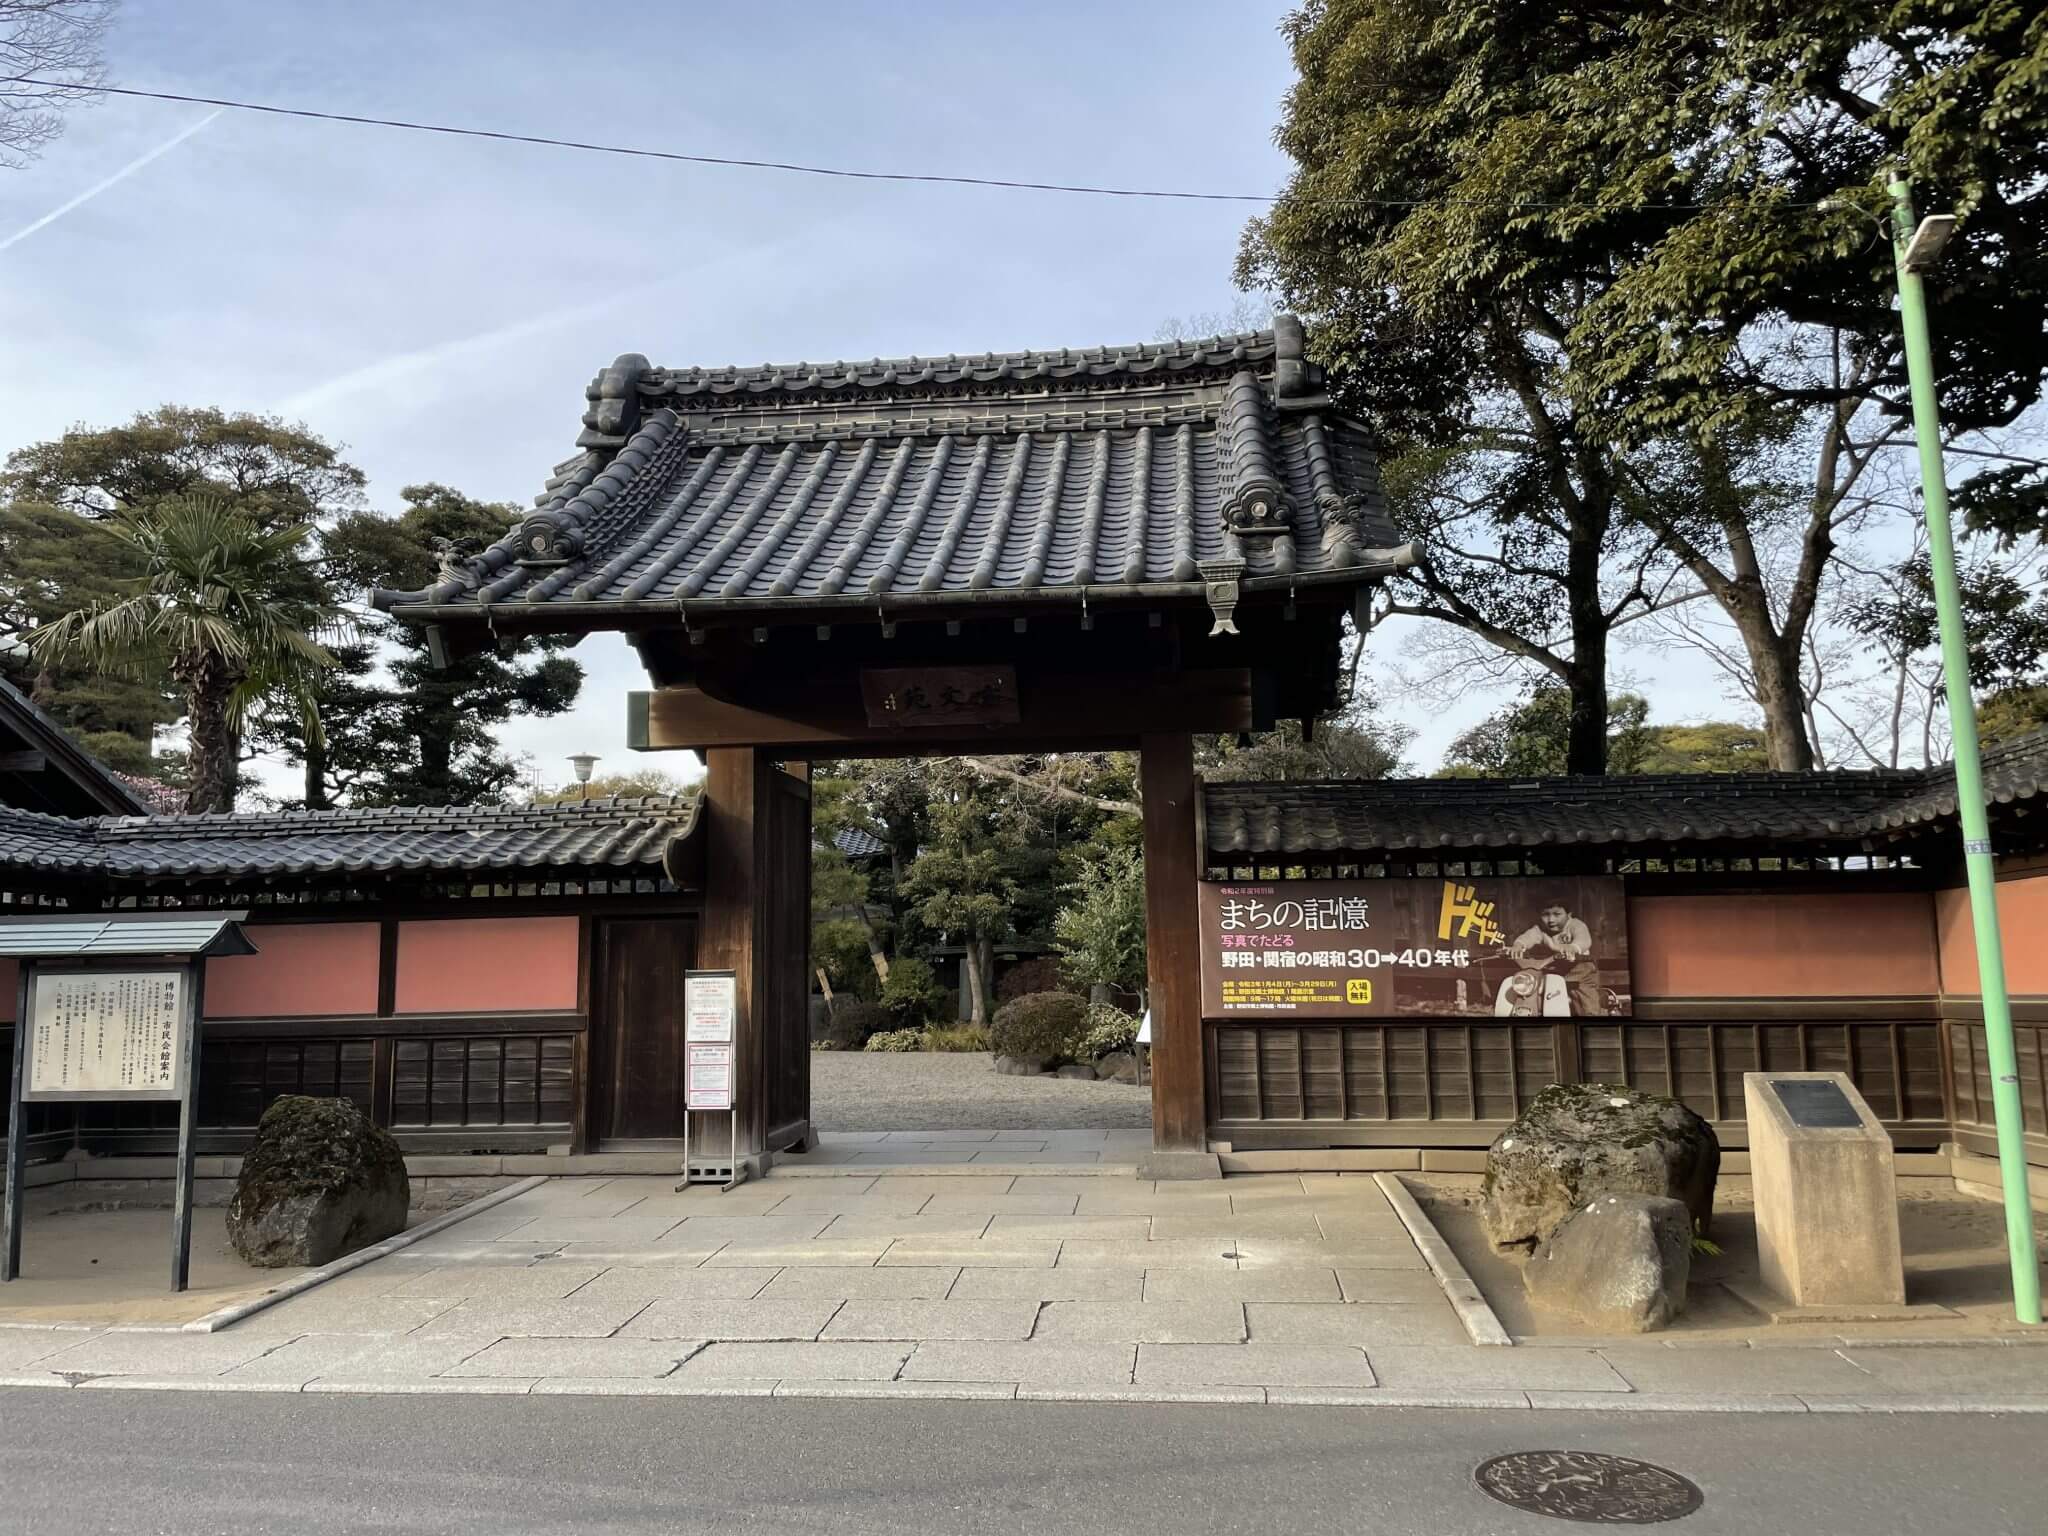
x=804 y=486
x=625 y=834
x=858 y=843
x=71 y=782
x=1420 y=815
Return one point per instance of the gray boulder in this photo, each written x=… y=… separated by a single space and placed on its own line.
x=1020 y=1066
x=320 y=1181
x=1121 y=1066
x=1622 y=1264
x=1577 y=1141
x=1078 y=1069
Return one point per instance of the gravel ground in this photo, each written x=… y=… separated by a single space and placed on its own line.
x=945 y=1091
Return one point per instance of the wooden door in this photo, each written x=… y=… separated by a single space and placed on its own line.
x=640 y=1026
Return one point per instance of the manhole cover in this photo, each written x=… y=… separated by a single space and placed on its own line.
x=1590 y=1486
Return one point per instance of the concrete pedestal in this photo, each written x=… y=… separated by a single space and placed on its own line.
x=1827 y=1212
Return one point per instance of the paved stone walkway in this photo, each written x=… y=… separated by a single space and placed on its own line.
x=1273 y=1288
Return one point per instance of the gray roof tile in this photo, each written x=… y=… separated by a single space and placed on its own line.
x=622 y=834
x=1432 y=816
x=806 y=483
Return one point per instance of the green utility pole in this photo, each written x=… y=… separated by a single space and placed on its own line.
x=1911 y=255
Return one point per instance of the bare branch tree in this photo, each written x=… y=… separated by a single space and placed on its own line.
x=52 y=52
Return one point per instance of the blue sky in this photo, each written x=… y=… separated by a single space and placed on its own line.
x=438 y=304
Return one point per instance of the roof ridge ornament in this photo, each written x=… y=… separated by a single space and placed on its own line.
x=614 y=397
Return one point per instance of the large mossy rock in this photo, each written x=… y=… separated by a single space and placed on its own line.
x=1621 y=1265
x=1578 y=1141
x=320 y=1181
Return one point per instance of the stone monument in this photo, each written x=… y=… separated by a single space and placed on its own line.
x=1827 y=1210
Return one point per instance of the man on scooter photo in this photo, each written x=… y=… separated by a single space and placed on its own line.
x=1559 y=938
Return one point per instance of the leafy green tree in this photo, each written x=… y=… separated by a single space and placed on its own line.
x=53 y=562
x=1643 y=249
x=1101 y=928
x=59 y=553
x=219 y=603
x=1530 y=739
x=420 y=734
x=960 y=883
x=2012 y=713
x=267 y=469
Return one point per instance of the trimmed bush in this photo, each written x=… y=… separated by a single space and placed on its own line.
x=962 y=1037
x=1109 y=1029
x=1038 y=974
x=912 y=994
x=896 y=1040
x=855 y=1019
x=1044 y=1025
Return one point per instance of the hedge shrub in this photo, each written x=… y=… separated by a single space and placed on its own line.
x=1044 y=1025
x=1108 y=1028
x=895 y=1040
x=855 y=1018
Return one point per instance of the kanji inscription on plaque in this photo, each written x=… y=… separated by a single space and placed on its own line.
x=105 y=1034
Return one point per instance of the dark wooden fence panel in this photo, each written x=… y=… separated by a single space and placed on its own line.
x=1970 y=1070
x=483 y=1080
x=1457 y=1082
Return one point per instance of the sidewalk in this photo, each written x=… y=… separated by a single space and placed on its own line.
x=1091 y=1286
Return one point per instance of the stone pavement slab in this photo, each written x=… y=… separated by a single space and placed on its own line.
x=1049 y=1285
x=359 y=1357
x=865 y=1284
x=1005 y=1205
x=529 y=1282
x=565 y=1319
x=1036 y=1363
x=656 y=1282
x=617 y=1230
x=714 y=1232
x=1418 y=1286
x=695 y=1318
x=963 y=1226
x=159 y=1354
x=577 y=1357
x=920 y=1320
x=1358 y=1323
x=1267 y=1283
x=1143 y=1322
x=1326 y=1255
x=1425 y=1366
x=652 y=1386
x=931 y=1253
x=1228 y=1228
x=830 y=1361
x=1941 y=1368
x=1722 y=1368
x=1264 y=1365
x=1135 y=1227
x=24 y=1346
x=1123 y=1253
x=315 y=1312
x=845 y=1254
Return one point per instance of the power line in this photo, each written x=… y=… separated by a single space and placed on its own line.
x=798 y=168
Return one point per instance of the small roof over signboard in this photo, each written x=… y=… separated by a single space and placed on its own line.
x=192 y=935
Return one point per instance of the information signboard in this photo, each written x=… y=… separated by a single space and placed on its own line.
x=707 y=1077
x=710 y=1002
x=106 y=1035
x=1505 y=946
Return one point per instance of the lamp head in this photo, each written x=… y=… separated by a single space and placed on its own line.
x=1925 y=248
x=583 y=762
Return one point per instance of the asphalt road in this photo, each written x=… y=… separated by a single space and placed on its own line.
x=196 y=1462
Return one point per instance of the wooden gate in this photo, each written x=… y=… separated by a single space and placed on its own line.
x=637 y=1066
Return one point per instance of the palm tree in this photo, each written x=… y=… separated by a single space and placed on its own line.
x=230 y=607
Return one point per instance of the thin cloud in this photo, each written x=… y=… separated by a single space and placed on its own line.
x=121 y=175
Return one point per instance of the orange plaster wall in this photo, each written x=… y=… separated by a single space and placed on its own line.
x=298 y=969
x=1804 y=945
x=487 y=965
x=2022 y=924
x=10 y=981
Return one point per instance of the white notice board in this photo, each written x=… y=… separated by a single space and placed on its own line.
x=710 y=1001
x=105 y=1035
x=710 y=1006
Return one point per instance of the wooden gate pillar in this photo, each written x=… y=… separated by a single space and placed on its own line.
x=1166 y=771
x=736 y=920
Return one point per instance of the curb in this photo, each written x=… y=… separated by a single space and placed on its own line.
x=1394 y=1399
x=233 y=1313
x=1481 y=1326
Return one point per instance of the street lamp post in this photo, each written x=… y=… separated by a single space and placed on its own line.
x=583 y=762
x=1915 y=248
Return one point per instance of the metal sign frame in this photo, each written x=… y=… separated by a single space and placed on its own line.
x=185 y=1095
x=707 y=1028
